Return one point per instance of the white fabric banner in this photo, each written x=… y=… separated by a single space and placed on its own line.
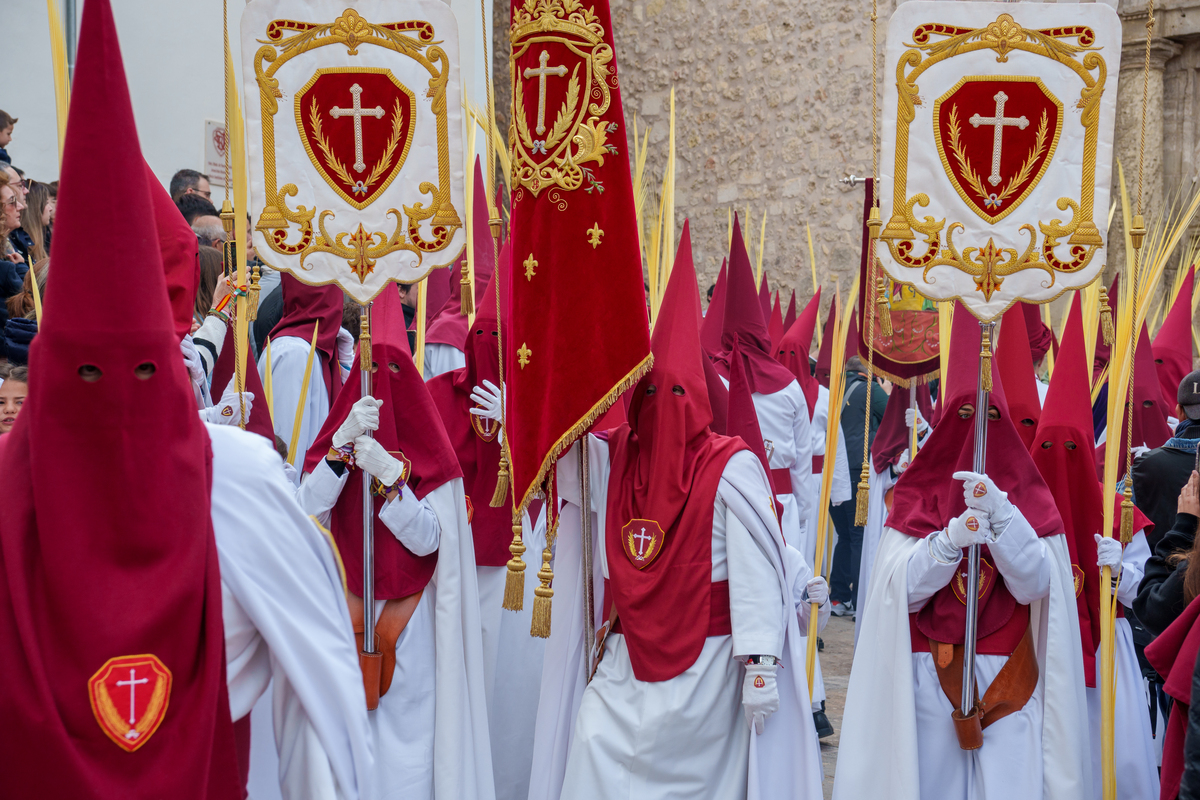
x=354 y=139
x=996 y=154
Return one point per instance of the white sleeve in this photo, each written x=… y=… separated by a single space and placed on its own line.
x=209 y=338
x=755 y=604
x=309 y=773
x=1023 y=560
x=319 y=491
x=801 y=470
x=413 y=523
x=926 y=575
x=1133 y=568
x=801 y=574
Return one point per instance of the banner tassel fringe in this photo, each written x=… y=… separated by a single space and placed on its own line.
x=467 y=293
x=882 y=311
x=1106 y=320
x=500 y=495
x=514 y=581
x=540 y=627
x=1127 y=517
x=861 y=502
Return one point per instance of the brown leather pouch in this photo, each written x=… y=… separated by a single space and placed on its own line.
x=601 y=637
x=1007 y=694
x=379 y=667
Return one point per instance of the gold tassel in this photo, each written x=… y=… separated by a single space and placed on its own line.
x=252 y=295
x=540 y=627
x=466 y=290
x=985 y=361
x=1127 y=515
x=882 y=309
x=864 y=494
x=514 y=582
x=500 y=496
x=364 y=342
x=1106 y=320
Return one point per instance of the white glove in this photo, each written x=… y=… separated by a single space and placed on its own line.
x=816 y=591
x=491 y=402
x=363 y=417
x=912 y=414
x=760 y=695
x=371 y=456
x=345 y=348
x=968 y=528
x=192 y=360
x=228 y=411
x=902 y=464
x=290 y=473
x=980 y=493
x=1108 y=552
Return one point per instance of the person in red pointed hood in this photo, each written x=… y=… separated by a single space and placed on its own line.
x=764 y=299
x=824 y=364
x=1041 y=338
x=305 y=309
x=1150 y=410
x=775 y=327
x=910 y=648
x=1172 y=345
x=1061 y=451
x=424 y=564
x=448 y=329
x=714 y=320
x=794 y=347
x=1015 y=365
x=783 y=412
x=685 y=523
x=110 y=592
x=789 y=317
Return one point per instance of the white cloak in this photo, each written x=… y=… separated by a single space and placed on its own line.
x=441 y=358
x=876 y=515
x=286 y=625
x=881 y=737
x=782 y=762
x=289 y=355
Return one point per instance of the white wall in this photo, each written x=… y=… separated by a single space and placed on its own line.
x=174 y=64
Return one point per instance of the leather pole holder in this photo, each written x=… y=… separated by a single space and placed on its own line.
x=1007 y=694
x=379 y=667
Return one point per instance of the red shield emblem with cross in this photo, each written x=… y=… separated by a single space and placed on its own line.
x=996 y=137
x=642 y=540
x=987 y=578
x=357 y=126
x=129 y=697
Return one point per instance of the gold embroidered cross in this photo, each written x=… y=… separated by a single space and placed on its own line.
x=541 y=73
x=523 y=355
x=530 y=266
x=594 y=234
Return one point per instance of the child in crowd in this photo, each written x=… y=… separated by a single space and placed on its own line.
x=13 y=389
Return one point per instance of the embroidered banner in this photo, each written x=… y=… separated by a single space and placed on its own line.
x=353 y=126
x=997 y=149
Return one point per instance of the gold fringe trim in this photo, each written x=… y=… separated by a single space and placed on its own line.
x=1127 y=516
x=467 y=304
x=540 y=627
x=500 y=495
x=985 y=361
x=882 y=310
x=575 y=431
x=864 y=494
x=514 y=581
x=1106 y=320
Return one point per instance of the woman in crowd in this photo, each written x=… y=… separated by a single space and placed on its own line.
x=37 y=218
x=1169 y=584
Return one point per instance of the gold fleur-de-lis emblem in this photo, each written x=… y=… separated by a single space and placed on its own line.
x=530 y=265
x=594 y=234
x=1002 y=35
x=523 y=355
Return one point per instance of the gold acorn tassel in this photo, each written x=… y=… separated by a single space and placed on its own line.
x=1106 y=320
x=862 y=500
x=501 y=493
x=985 y=363
x=466 y=292
x=252 y=295
x=885 y=314
x=514 y=581
x=540 y=626
x=1127 y=513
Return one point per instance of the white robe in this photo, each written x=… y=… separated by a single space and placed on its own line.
x=289 y=355
x=876 y=515
x=286 y=625
x=841 y=489
x=1135 y=754
x=430 y=729
x=606 y=740
x=897 y=739
x=441 y=358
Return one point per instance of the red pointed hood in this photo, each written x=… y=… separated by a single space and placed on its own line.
x=927 y=497
x=825 y=354
x=1041 y=338
x=1015 y=365
x=743 y=418
x=764 y=299
x=1150 y=408
x=893 y=436
x=1173 y=343
x=449 y=325
x=793 y=351
x=775 y=327
x=1103 y=351
x=789 y=317
x=714 y=320
x=180 y=252
x=106 y=539
x=303 y=306
x=743 y=318
x=718 y=395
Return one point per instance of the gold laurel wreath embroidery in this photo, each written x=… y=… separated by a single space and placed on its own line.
x=116 y=722
x=380 y=167
x=972 y=177
x=566 y=114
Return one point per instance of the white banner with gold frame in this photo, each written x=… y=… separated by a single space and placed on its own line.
x=996 y=154
x=354 y=138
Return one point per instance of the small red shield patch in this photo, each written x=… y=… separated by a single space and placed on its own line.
x=759 y=682
x=972 y=524
x=227 y=411
x=470 y=511
x=642 y=540
x=980 y=489
x=1078 y=575
x=987 y=576
x=484 y=428
x=129 y=697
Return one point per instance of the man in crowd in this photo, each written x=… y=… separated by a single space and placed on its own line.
x=189 y=181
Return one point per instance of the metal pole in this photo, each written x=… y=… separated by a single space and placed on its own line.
x=982 y=397
x=589 y=602
x=368 y=514
x=69 y=22
x=912 y=431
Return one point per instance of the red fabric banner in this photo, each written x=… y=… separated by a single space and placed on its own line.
x=580 y=333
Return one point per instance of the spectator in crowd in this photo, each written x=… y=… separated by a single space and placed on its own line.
x=1169 y=585
x=189 y=181
x=209 y=231
x=13 y=389
x=12 y=266
x=37 y=219
x=7 y=122
x=211 y=269
x=1161 y=473
x=194 y=205
x=843 y=583
x=21 y=241
x=21 y=305
x=17 y=334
